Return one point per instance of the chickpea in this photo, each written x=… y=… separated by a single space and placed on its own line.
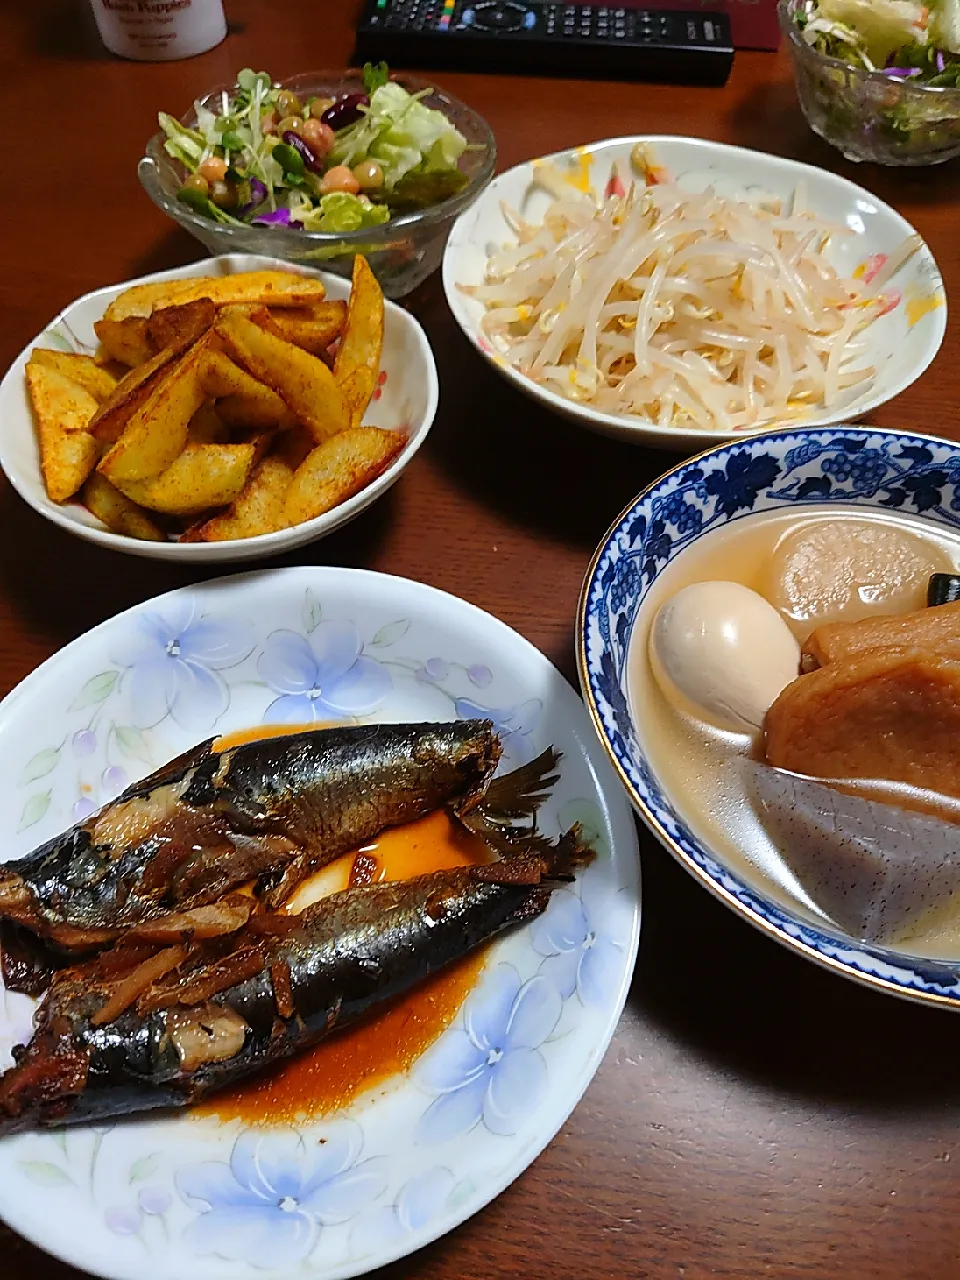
x=198 y=183
x=223 y=194
x=318 y=137
x=288 y=104
x=319 y=105
x=290 y=124
x=368 y=174
x=339 y=178
x=213 y=168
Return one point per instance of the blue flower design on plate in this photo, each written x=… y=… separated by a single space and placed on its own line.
x=581 y=953
x=324 y=677
x=128 y=1219
x=172 y=667
x=488 y=1067
x=418 y=1202
x=269 y=1204
x=514 y=725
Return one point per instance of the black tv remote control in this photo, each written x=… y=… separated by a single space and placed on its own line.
x=566 y=39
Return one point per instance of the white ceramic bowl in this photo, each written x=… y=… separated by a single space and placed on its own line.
x=902 y=343
x=406 y=400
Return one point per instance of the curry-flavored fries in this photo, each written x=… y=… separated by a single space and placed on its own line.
x=216 y=408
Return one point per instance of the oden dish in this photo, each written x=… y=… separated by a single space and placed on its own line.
x=766 y=647
x=684 y=328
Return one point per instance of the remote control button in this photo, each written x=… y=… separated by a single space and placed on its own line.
x=499 y=17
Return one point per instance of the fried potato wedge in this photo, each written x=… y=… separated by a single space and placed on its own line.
x=125 y=340
x=272 y=288
x=157 y=431
x=180 y=324
x=207 y=427
x=62 y=409
x=202 y=476
x=361 y=344
x=358 y=391
x=117 y=512
x=132 y=391
x=311 y=332
x=83 y=370
x=302 y=381
x=293 y=445
x=338 y=469
x=242 y=401
x=258 y=509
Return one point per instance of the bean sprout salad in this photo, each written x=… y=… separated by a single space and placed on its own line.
x=681 y=308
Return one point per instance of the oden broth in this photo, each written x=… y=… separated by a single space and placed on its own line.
x=700 y=766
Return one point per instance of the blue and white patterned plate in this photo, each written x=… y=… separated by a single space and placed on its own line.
x=185 y=1198
x=844 y=467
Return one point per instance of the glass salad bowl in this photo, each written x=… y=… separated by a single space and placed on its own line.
x=870 y=115
x=402 y=252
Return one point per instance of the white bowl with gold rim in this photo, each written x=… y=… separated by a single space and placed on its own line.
x=902 y=343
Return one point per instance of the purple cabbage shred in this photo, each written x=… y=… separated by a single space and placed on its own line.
x=258 y=193
x=279 y=218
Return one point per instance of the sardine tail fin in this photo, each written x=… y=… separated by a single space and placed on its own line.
x=568 y=855
x=509 y=800
x=533 y=859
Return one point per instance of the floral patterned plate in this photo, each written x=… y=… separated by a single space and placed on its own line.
x=183 y=1198
x=404 y=400
x=842 y=467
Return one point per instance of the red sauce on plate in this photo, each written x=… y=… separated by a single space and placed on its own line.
x=385 y=1044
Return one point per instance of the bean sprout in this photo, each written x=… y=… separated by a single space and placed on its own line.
x=681 y=308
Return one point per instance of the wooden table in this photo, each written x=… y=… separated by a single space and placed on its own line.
x=753 y=1116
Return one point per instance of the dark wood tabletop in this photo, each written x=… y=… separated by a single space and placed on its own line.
x=754 y=1115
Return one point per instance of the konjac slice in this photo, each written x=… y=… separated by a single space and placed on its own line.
x=876 y=869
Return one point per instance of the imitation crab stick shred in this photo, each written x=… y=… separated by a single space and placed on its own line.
x=683 y=308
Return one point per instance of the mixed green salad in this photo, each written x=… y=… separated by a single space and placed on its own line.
x=334 y=164
x=902 y=39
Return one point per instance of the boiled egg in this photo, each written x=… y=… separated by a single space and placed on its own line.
x=721 y=653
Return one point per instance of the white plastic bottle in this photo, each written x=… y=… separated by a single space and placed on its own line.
x=159 y=30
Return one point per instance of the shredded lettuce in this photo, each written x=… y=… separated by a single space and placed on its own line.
x=340 y=212
x=401 y=134
x=945 y=24
x=185 y=145
x=881 y=26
